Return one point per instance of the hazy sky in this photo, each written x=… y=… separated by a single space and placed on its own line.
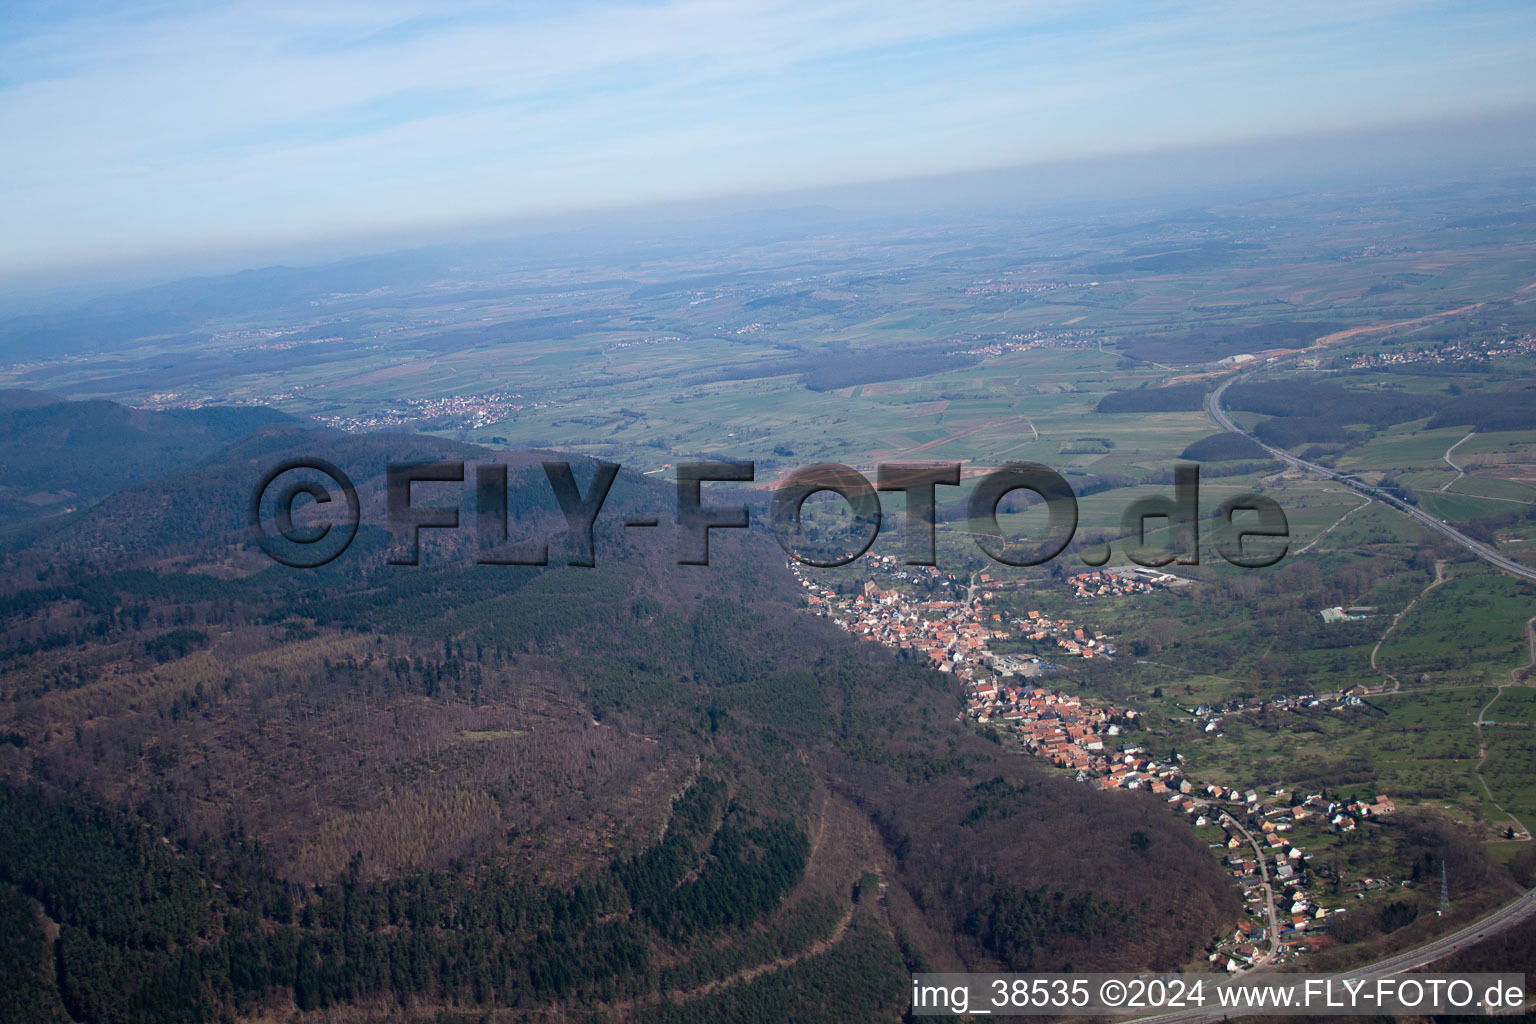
x=136 y=130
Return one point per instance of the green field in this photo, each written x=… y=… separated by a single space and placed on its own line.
x=1472 y=627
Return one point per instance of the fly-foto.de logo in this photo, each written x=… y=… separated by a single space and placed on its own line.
x=1247 y=530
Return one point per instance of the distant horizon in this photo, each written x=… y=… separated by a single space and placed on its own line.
x=1499 y=144
x=136 y=136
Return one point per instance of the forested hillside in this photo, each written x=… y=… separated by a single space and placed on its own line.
x=57 y=456
x=234 y=788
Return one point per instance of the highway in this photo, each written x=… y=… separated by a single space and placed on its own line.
x=1481 y=550
x=1505 y=917
x=1502 y=918
x=1509 y=914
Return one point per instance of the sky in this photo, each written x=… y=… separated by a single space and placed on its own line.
x=135 y=131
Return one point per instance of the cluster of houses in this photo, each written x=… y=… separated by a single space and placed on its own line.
x=1451 y=352
x=1272 y=821
x=1344 y=816
x=1302 y=920
x=466 y=412
x=950 y=634
x=160 y=401
x=1242 y=949
x=1303 y=926
x=660 y=339
x=1079 y=737
x=1075 y=641
x=1209 y=717
x=952 y=631
x=993 y=286
x=1117 y=582
x=1025 y=341
x=1054 y=725
x=1303 y=923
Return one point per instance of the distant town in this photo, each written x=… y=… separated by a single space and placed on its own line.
x=459 y=412
x=1024 y=341
x=1451 y=352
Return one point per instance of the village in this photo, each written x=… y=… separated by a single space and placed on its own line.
x=954 y=633
x=1026 y=341
x=952 y=630
x=463 y=412
x=1119 y=582
x=1451 y=352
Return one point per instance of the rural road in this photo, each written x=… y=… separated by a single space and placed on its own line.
x=1481 y=550
x=1446 y=458
x=1269 y=890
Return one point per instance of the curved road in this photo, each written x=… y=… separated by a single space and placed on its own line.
x=1481 y=550
x=1269 y=891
